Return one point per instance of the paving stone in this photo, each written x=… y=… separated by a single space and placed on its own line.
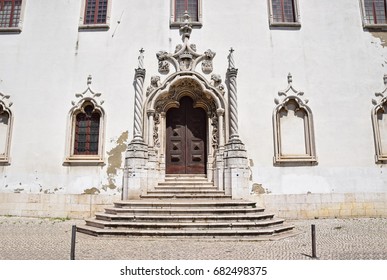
x=337 y=239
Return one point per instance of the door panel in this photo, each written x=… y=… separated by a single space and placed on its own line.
x=186 y=139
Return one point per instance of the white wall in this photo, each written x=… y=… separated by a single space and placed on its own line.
x=333 y=60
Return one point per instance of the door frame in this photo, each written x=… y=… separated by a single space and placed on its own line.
x=186 y=147
x=167 y=95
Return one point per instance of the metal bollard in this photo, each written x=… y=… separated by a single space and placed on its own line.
x=73 y=235
x=314 y=255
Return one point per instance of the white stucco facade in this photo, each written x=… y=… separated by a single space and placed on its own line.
x=334 y=61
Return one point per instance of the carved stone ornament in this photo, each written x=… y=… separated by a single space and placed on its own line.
x=155 y=83
x=4 y=100
x=379 y=123
x=156 y=139
x=291 y=101
x=178 y=90
x=185 y=57
x=216 y=81
x=88 y=94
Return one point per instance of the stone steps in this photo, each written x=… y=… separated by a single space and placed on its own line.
x=183 y=225
x=182 y=203
x=202 y=233
x=186 y=206
x=183 y=218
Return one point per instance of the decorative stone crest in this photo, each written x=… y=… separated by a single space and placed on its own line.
x=185 y=57
x=88 y=94
x=290 y=91
x=4 y=102
x=382 y=96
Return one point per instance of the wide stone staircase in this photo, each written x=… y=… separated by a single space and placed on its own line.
x=187 y=207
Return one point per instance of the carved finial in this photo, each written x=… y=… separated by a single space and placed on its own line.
x=385 y=79
x=186 y=27
x=89 y=80
x=141 y=59
x=231 y=62
x=290 y=78
x=186 y=16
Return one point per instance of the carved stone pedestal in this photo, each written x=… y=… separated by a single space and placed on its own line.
x=135 y=173
x=236 y=169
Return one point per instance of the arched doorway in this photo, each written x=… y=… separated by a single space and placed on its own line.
x=186 y=139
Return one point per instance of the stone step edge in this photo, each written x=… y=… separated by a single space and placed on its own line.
x=263 y=223
x=213 y=196
x=104 y=216
x=185 y=210
x=188 y=203
x=156 y=233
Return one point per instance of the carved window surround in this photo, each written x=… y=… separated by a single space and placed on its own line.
x=6 y=128
x=379 y=111
x=88 y=97
x=294 y=24
x=94 y=26
x=19 y=27
x=176 y=24
x=292 y=98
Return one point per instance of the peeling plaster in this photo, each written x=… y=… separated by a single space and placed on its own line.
x=91 y=191
x=115 y=160
x=258 y=189
x=382 y=36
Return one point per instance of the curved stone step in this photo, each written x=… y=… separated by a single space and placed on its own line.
x=211 y=233
x=183 y=218
x=183 y=225
x=184 y=203
x=182 y=211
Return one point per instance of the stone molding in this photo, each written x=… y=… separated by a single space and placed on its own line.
x=95 y=27
x=380 y=106
x=5 y=105
x=296 y=24
x=287 y=95
x=82 y=100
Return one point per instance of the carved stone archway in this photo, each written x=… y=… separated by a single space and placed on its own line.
x=227 y=166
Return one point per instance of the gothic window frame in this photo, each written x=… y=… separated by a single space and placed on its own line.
x=4 y=108
x=374 y=25
x=177 y=23
x=380 y=157
x=18 y=28
x=94 y=26
x=87 y=98
x=297 y=17
x=290 y=94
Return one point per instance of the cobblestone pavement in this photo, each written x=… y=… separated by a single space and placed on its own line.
x=49 y=239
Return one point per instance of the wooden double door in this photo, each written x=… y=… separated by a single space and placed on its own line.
x=186 y=138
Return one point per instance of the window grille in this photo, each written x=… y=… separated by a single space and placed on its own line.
x=375 y=11
x=10 y=11
x=96 y=11
x=283 y=11
x=87 y=132
x=191 y=6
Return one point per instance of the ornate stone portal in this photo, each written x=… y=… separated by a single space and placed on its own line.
x=226 y=162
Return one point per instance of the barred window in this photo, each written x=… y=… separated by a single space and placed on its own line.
x=375 y=11
x=191 y=6
x=283 y=11
x=96 y=11
x=10 y=11
x=87 y=132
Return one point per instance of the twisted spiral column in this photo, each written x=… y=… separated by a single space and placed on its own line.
x=138 y=110
x=232 y=75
